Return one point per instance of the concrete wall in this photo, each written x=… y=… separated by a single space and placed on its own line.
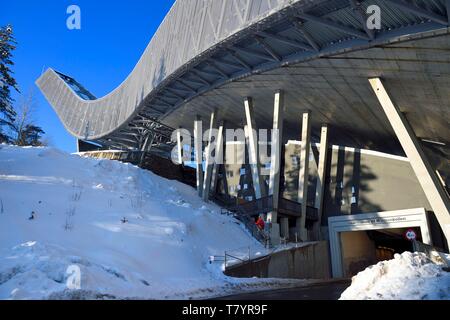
x=308 y=262
x=239 y=176
x=358 y=252
x=291 y=173
x=364 y=182
x=357 y=181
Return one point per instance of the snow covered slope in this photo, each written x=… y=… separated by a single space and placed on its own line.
x=131 y=233
x=410 y=276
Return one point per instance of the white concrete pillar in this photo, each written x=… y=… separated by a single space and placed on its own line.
x=255 y=165
x=275 y=164
x=284 y=227
x=209 y=161
x=321 y=175
x=179 y=146
x=304 y=175
x=198 y=145
x=431 y=186
x=218 y=157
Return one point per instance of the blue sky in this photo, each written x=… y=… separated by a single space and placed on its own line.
x=112 y=38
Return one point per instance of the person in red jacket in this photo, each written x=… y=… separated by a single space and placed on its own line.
x=260 y=223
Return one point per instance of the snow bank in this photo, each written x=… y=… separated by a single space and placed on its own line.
x=409 y=276
x=132 y=234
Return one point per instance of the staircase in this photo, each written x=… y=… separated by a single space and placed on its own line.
x=248 y=211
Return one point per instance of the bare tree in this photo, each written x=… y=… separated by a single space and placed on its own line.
x=25 y=132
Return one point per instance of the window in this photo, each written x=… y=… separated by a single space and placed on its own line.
x=245 y=186
x=243 y=172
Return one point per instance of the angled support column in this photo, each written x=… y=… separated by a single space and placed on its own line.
x=275 y=164
x=209 y=161
x=431 y=186
x=180 y=146
x=198 y=145
x=148 y=142
x=320 y=186
x=304 y=175
x=258 y=182
x=218 y=157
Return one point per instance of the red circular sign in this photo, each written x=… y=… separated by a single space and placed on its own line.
x=410 y=235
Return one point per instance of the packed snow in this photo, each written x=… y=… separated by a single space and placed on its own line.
x=130 y=233
x=409 y=276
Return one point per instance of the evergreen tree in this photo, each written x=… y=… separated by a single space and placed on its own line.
x=7 y=113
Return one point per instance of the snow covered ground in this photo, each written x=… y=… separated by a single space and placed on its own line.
x=130 y=233
x=409 y=276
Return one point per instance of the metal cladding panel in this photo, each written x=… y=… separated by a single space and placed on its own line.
x=195 y=28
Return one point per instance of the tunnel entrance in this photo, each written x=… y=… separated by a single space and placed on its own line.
x=361 y=249
x=361 y=240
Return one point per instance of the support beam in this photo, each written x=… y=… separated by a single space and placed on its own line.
x=267 y=48
x=284 y=228
x=298 y=24
x=196 y=75
x=176 y=90
x=275 y=164
x=147 y=143
x=412 y=8
x=431 y=186
x=209 y=163
x=198 y=146
x=171 y=94
x=334 y=25
x=304 y=175
x=285 y=40
x=188 y=87
x=197 y=83
x=228 y=64
x=218 y=157
x=258 y=182
x=253 y=53
x=321 y=175
x=218 y=70
x=240 y=60
x=179 y=147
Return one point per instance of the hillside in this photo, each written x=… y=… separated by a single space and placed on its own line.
x=131 y=233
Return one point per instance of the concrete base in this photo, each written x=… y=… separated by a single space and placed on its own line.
x=274 y=233
x=284 y=228
x=311 y=261
x=301 y=232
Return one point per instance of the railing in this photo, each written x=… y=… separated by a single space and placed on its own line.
x=285 y=207
x=292 y=208
x=246 y=212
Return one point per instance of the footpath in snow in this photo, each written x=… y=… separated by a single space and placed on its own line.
x=130 y=233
